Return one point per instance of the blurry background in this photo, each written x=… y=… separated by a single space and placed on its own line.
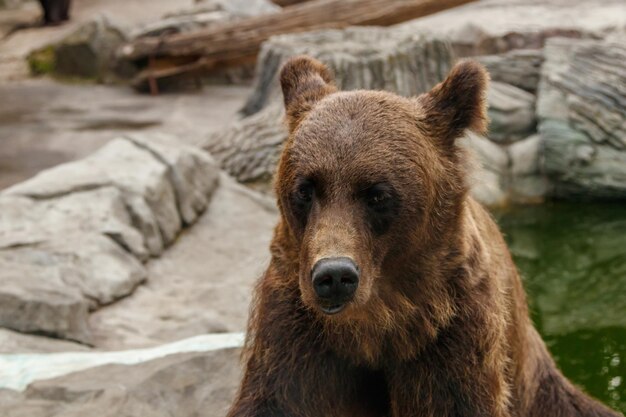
x=137 y=144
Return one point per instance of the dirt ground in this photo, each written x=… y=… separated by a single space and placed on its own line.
x=44 y=122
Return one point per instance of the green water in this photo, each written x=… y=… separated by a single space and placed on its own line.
x=572 y=258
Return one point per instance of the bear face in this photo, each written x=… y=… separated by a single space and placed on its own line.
x=365 y=175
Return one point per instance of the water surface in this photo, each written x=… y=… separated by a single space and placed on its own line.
x=572 y=258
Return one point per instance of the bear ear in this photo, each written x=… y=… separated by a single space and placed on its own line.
x=304 y=82
x=458 y=103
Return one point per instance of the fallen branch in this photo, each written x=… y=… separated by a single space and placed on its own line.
x=230 y=43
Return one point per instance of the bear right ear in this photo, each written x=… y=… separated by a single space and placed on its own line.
x=458 y=103
x=304 y=81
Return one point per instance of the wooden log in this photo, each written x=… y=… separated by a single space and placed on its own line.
x=226 y=42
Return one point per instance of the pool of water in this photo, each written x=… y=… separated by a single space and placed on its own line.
x=572 y=258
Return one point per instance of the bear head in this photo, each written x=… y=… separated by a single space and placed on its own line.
x=371 y=186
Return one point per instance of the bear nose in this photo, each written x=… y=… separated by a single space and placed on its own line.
x=335 y=280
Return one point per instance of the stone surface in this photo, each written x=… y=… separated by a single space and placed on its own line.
x=204 y=282
x=104 y=271
x=35 y=298
x=89 y=52
x=489 y=27
x=19 y=370
x=103 y=210
x=519 y=67
x=193 y=173
x=73 y=237
x=511 y=112
x=361 y=58
x=184 y=385
x=204 y=14
x=582 y=118
x=45 y=123
x=132 y=170
x=11 y=342
x=249 y=149
x=488 y=172
x=527 y=183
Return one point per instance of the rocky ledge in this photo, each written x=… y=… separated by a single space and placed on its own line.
x=74 y=237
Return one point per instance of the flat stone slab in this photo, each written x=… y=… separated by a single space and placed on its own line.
x=496 y=26
x=581 y=109
x=204 y=282
x=511 y=112
x=73 y=238
x=21 y=369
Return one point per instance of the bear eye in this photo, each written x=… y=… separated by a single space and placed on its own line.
x=378 y=196
x=304 y=192
x=382 y=204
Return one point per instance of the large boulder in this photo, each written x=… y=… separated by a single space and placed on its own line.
x=73 y=238
x=221 y=256
x=582 y=117
x=519 y=67
x=12 y=342
x=89 y=52
x=511 y=112
x=527 y=184
x=196 y=376
x=488 y=170
x=491 y=27
x=361 y=58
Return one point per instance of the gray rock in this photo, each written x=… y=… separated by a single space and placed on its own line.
x=13 y=342
x=360 y=57
x=527 y=183
x=89 y=51
x=512 y=112
x=103 y=210
x=193 y=173
x=492 y=27
x=525 y=156
x=367 y=58
x=35 y=298
x=204 y=282
x=131 y=169
x=489 y=170
x=76 y=234
x=21 y=370
x=249 y=149
x=582 y=118
x=106 y=272
x=519 y=67
x=185 y=385
x=60 y=280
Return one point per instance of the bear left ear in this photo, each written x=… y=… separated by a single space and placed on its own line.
x=304 y=82
x=458 y=103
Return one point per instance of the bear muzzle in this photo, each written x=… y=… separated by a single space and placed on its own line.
x=335 y=281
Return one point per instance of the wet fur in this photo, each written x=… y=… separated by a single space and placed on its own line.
x=439 y=326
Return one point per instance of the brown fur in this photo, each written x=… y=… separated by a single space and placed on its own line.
x=439 y=325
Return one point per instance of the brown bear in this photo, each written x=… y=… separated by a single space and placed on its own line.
x=391 y=292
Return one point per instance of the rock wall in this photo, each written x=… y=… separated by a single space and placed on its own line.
x=73 y=238
x=360 y=57
x=528 y=141
x=582 y=117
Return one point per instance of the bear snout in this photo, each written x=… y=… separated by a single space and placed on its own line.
x=335 y=281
